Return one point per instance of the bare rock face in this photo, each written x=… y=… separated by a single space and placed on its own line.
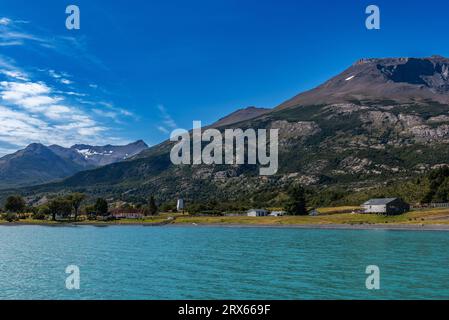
x=355 y=165
x=344 y=108
x=425 y=133
x=379 y=119
x=438 y=119
x=297 y=130
x=384 y=119
x=408 y=120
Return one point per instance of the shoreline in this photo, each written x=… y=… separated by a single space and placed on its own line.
x=380 y=227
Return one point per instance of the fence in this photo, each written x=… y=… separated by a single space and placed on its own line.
x=431 y=205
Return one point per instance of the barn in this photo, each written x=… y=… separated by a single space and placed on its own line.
x=257 y=213
x=387 y=206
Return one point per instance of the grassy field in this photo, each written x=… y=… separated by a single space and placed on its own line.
x=427 y=217
x=329 y=216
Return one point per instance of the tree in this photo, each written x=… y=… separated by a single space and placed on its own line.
x=76 y=199
x=41 y=212
x=152 y=207
x=296 y=203
x=59 y=206
x=101 y=207
x=168 y=207
x=15 y=204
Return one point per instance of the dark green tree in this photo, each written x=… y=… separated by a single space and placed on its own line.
x=15 y=204
x=101 y=207
x=59 y=206
x=76 y=199
x=41 y=212
x=152 y=207
x=296 y=204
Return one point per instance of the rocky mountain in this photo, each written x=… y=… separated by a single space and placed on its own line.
x=97 y=156
x=33 y=165
x=37 y=164
x=379 y=121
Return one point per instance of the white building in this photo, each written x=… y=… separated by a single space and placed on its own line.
x=388 y=206
x=277 y=213
x=257 y=213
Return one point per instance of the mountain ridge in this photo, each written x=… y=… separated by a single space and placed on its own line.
x=397 y=79
x=343 y=134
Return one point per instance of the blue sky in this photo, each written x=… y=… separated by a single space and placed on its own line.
x=139 y=69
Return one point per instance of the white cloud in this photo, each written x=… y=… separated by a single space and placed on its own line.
x=34 y=114
x=5 y=21
x=66 y=81
x=60 y=77
x=11 y=43
x=15 y=74
x=58 y=112
x=77 y=94
x=19 y=90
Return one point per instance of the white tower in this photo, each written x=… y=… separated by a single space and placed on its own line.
x=180 y=205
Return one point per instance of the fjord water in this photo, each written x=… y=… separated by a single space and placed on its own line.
x=221 y=263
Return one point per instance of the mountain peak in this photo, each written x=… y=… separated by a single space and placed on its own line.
x=394 y=79
x=139 y=143
x=35 y=147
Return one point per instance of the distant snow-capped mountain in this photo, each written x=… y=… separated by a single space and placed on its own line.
x=38 y=164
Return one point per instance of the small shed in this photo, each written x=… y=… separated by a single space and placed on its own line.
x=257 y=213
x=387 y=206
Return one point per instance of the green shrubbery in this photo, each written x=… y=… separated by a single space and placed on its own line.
x=426 y=188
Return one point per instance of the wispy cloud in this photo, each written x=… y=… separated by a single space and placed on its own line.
x=15 y=74
x=167 y=122
x=61 y=77
x=5 y=21
x=108 y=110
x=163 y=129
x=20 y=33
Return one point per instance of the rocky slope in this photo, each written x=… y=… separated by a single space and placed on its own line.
x=241 y=115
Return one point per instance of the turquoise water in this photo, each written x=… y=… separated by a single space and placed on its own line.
x=221 y=263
